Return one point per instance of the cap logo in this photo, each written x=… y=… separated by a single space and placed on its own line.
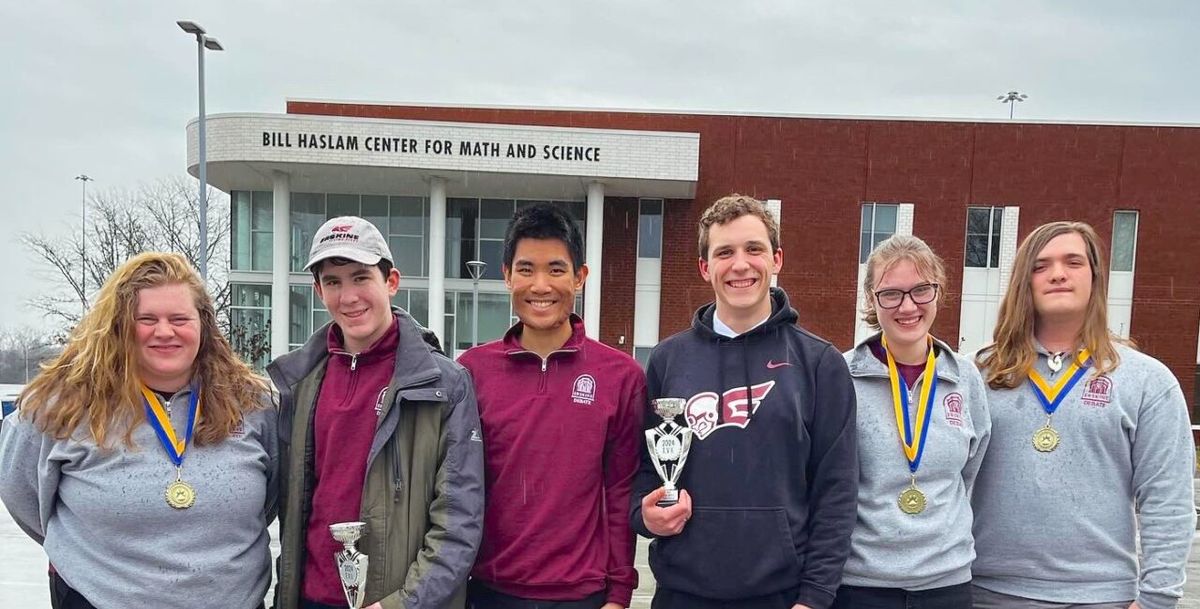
x=341 y=228
x=339 y=237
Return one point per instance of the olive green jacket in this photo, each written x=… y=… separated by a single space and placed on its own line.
x=422 y=498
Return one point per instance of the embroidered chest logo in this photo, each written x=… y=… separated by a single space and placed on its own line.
x=705 y=414
x=238 y=430
x=379 y=401
x=583 y=391
x=953 y=404
x=1098 y=391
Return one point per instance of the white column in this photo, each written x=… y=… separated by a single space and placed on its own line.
x=437 y=260
x=1008 y=243
x=594 y=242
x=905 y=213
x=281 y=262
x=775 y=208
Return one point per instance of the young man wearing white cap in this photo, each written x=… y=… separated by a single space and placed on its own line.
x=377 y=425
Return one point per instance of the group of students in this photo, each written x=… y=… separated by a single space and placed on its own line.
x=1051 y=470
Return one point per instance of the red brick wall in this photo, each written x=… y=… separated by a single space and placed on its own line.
x=823 y=169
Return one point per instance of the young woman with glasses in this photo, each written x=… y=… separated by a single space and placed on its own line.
x=923 y=426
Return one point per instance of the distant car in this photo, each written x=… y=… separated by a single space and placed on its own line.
x=8 y=399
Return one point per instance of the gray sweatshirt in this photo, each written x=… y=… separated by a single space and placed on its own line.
x=1060 y=526
x=103 y=520
x=933 y=549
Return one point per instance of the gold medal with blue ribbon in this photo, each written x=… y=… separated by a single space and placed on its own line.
x=914 y=430
x=1046 y=438
x=180 y=495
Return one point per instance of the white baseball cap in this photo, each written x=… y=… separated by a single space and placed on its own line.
x=348 y=237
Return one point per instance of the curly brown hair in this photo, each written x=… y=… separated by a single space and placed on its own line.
x=730 y=208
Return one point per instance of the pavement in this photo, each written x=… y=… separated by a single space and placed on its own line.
x=23 y=572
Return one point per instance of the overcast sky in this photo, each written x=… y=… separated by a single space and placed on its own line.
x=105 y=88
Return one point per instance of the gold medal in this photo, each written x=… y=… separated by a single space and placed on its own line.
x=912 y=500
x=180 y=495
x=1045 y=439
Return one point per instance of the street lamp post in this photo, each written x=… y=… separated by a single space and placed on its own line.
x=1011 y=98
x=83 y=177
x=210 y=43
x=477 y=269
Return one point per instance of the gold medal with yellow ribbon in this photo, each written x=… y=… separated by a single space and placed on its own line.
x=913 y=434
x=180 y=495
x=1046 y=438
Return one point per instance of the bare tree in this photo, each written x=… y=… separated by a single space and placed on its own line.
x=22 y=350
x=158 y=216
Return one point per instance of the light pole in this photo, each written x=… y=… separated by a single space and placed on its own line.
x=1011 y=98
x=476 y=268
x=202 y=42
x=83 y=177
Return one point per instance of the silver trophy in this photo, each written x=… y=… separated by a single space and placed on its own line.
x=351 y=564
x=669 y=443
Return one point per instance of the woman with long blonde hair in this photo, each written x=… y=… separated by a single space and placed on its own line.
x=1086 y=433
x=923 y=429
x=144 y=457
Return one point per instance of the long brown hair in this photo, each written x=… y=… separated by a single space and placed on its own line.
x=1008 y=360
x=95 y=378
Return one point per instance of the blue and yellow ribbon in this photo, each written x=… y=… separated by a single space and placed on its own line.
x=912 y=435
x=1051 y=396
x=156 y=415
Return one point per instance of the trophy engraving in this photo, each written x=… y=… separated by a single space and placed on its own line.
x=669 y=443
x=351 y=564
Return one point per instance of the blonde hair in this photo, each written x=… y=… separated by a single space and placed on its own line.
x=95 y=378
x=887 y=255
x=730 y=208
x=1009 y=358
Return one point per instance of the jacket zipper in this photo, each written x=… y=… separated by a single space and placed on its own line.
x=545 y=363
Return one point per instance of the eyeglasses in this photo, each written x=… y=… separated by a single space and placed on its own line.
x=921 y=294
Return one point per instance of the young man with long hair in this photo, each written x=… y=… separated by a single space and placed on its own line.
x=771 y=482
x=1091 y=452
x=144 y=458
x=562 y=415
x=378 y=426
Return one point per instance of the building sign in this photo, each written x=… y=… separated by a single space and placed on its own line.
x=431 y=146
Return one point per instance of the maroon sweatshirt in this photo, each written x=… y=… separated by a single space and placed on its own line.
x=561 y=439
x=348 y=408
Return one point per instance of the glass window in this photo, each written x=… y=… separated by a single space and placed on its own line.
x=308 y=214
x=461 y=225
x=342 y=205
x=878 y=223
x=241 y=212
x=251 y=226
x=408 y=254
x=650 y=222
x=494 y=215
x=642 y=355
x=982 y=245
x=494 y=313
x=1124 y=240
x=375 y=211
x=408 y=216
x=250 y=323
x=300 y=313
x=491 y=251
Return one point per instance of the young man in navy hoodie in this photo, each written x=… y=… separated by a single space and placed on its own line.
x=771 y=482
x=562 y=418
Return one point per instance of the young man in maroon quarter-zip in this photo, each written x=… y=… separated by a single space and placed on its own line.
x=561 y=416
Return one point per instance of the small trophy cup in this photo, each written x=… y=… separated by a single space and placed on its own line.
x=669 y=443
x=351 y=564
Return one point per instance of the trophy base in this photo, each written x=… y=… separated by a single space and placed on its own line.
x=670 y=497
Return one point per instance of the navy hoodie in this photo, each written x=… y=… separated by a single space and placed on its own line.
x=773 y=478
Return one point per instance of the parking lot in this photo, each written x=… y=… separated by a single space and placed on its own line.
x=23 y=576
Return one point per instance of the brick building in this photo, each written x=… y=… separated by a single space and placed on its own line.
x=441 y=182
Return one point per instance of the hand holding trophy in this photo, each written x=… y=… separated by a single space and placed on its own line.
x=351 y=564
x=669 y=443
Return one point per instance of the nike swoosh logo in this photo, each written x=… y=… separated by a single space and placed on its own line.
x=773 y=365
